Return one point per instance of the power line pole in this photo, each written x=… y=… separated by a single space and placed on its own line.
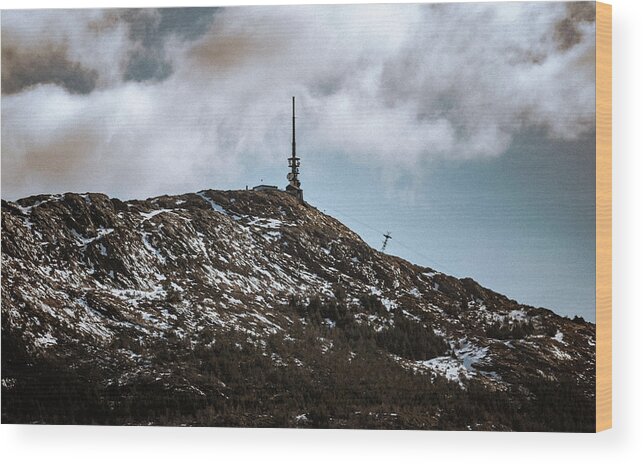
x=387 y=237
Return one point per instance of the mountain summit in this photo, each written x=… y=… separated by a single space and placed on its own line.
x=244 y=308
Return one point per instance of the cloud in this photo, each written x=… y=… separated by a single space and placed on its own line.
x=568 y=31
x=22 y=70
x=185 y=96
x=72 y=47
x=148 y=29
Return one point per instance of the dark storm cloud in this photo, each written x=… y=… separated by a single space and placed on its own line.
x=23 y=69
x=567 y=31
x=187 y=23
x=82 y=50
x=149 y=31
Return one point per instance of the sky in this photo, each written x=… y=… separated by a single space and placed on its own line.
x=467 y=130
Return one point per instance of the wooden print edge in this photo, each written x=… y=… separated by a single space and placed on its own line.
x=603 y=216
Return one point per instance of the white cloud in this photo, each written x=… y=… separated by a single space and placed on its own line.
x=399 y=85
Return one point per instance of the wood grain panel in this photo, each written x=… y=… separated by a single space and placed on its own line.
x=603 y=216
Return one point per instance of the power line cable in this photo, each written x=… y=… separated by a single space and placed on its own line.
x=434 y=264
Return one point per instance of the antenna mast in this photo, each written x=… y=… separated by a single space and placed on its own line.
x=294 y=186
x=294 y=145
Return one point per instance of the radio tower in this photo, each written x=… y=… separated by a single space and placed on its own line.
x=294 y=186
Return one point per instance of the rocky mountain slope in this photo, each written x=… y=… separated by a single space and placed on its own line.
x=248 y=308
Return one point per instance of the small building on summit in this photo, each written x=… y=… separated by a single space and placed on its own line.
x=263 y=187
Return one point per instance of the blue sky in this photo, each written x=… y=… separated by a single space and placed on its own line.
x=521 y=224
x=465 y=130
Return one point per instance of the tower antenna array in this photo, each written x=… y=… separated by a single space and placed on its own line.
x=294 y=186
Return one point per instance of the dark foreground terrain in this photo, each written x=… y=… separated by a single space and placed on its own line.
x=248 y=309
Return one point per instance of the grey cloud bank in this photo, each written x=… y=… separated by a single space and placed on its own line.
x=131 y=102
